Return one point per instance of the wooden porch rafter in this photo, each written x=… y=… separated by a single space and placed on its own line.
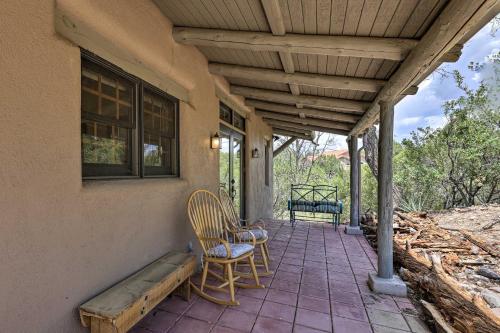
x=341 y=46
x=286 y=125
x=412 y=54
x=335 y=104
x=302 y=112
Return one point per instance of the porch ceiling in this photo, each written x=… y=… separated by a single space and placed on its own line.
x=338 y=56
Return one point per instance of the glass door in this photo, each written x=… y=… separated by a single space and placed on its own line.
x=231 y=167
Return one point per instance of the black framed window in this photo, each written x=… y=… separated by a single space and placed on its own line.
x=225 y=113
x=231 y=117
x=129 y=128
x=160 y=139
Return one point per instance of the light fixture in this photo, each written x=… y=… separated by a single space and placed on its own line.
x=215 y=141
x=255 y=153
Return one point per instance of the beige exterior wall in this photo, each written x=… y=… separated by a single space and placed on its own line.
x=61 y=240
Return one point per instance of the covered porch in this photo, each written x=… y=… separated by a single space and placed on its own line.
x=319 y=285
x=75 y=223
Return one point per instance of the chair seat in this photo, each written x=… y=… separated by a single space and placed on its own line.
x=236 y=250
x=259 y=234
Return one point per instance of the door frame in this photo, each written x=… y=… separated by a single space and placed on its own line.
x=235 y=133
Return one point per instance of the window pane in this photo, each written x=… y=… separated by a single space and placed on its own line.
x=238 y=121
x=159 y=135
x=159 y=115
x=108 y=86
x=106 y=96
x=90 y=102
x=125 y=113
x=108 y=108
x=225 y=114
x=105 y=145
x=90 y=79
x=157 y=152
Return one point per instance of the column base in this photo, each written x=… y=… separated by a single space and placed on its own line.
x=393 y=287
x=353 y=230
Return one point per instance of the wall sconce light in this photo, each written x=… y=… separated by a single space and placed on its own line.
x=255 y=153
x=215 y=141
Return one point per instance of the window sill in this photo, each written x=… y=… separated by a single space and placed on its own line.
x=134 y=181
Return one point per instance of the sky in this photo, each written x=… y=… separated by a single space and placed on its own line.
x=424 y=108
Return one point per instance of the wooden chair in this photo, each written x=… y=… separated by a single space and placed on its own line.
x=246 y=233
x=208 y=221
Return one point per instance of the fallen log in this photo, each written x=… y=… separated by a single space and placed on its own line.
x=480 y=243
x=465 y=312
x=440 y=323
x=407 y=218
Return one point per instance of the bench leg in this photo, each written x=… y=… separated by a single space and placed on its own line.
x=98 y=325
x=186 y=289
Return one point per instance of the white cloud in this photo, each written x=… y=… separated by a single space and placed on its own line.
x=425 y=83
x=435 y=121
x=410 y=121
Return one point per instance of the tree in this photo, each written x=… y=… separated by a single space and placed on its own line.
x=459 y=164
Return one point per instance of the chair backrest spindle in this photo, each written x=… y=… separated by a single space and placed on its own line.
x=206 y=215
x=233 y=219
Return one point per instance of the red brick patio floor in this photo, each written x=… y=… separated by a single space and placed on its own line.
x=319 y=285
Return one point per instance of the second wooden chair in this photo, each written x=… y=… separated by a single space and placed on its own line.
x=246 y=233
x=208 y=220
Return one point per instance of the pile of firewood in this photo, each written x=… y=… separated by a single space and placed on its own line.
x=456 y=272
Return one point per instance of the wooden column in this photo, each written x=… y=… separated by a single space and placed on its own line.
x=353 y=228
x=359 y=185
x=353 y=155
x=385 y=209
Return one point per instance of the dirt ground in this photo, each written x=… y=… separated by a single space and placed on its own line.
x=483 y=221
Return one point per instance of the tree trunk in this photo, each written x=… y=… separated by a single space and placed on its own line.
x=370 y=145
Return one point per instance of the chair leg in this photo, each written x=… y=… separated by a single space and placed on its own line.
x=267 y=252
x=254 y=270
x=204 y=276
x=264 y=257
x=230 y=279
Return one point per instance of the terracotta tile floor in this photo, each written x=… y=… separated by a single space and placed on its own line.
x=319 y=285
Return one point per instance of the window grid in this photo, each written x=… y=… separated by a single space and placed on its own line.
x=113 y=144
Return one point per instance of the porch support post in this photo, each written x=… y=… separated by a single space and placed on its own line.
x=359 y=185
x=385 y=282
x=353 y=227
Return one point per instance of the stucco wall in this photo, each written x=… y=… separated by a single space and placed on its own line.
x=61 y=240
x=259 y=196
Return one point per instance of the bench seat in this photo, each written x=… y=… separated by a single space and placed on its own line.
x=120 y=307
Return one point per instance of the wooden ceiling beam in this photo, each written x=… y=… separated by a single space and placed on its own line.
x=307 y=79
x=336 y=104
x=276 y=22
x=305 y=121
x=342 y=46
x=457 y=20
x=292 y=134
x=453 y=55
x=294 y=126
x=306 y=112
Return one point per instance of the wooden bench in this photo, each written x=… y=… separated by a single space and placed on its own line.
x=120 y=307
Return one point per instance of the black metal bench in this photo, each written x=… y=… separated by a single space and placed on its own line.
x=315 y=199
